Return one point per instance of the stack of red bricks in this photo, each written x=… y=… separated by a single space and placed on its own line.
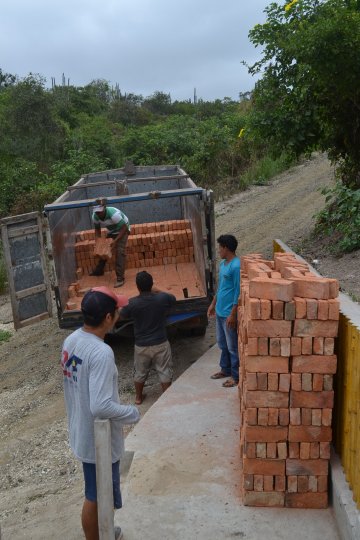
x=149 y=244
x=288 y=319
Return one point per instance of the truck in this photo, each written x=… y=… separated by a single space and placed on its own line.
x=49 y=254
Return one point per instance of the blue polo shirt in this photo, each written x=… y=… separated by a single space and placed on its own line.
x=229 y=287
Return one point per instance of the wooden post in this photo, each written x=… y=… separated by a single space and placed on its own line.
x=105 y=498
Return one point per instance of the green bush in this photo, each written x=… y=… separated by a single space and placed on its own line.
x=340 y=219
x=4 y=335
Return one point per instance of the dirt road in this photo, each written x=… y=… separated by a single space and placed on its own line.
x=40 y=482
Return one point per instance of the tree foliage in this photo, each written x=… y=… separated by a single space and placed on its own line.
x=309 y=94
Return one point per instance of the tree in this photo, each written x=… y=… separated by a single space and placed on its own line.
x=309 y=95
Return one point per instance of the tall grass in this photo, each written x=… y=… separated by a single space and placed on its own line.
x=262 y=170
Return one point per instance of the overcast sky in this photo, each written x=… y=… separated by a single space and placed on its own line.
x=143 y=45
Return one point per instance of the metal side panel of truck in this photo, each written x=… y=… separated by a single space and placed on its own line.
x=145 y=194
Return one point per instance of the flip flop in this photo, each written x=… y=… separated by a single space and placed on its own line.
x=218 y=375
x=230 y=383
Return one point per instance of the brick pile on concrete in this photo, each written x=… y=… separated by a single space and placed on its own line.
x=149 y=244
x=288 y=319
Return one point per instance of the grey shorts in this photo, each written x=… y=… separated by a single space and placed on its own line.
x=157 y=357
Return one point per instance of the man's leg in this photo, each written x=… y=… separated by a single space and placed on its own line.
x=121 y=260
x=99 y=268
x=162 y=363
x=225 y=361
x=89 y=520
x=232 y=346
x=139 y=386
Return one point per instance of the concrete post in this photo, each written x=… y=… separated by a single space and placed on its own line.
x=105 y=498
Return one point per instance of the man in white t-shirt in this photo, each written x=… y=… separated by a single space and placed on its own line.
x=91 y=391
x=118 y=226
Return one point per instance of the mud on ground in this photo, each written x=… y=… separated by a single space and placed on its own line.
x=40 y=481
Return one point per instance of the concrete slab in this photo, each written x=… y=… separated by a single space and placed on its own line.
x=184 y=480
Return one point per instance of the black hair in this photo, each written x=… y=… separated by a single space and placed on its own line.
x=228 y=241
x=144 y=281
x=94 y=310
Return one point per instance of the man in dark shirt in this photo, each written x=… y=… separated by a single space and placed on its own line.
x=152 y=349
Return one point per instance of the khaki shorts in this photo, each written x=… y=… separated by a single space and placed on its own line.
x=157 y=357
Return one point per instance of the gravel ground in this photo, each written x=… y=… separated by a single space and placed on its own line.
x=40 y=482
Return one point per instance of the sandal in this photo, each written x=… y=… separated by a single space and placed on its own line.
x=218 y=375
x=230 y=383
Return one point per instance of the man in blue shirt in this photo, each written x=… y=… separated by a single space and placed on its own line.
x=224 y=305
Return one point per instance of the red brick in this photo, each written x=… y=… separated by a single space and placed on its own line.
x=324 y=450
x=268 y=483
x=265 y=434
x=326 y=417
x=309 y=433
x=263 y=416
x=273 y=381
x=295 y=416
x=280 y=483
x=249 y=482
x=322 y=484
x=294 y=450
x=314 y=364
x=282 y=451
x=260 y=450
x=334 y=288
x=273 y=416
x=311 y=308
x=271 y=289
x=306 y=345
x=296 y=381
x=314 y=467
x=318 y=380
x=316 y=416
x=271 y=450
x=251 y=416
x=263 y=346
x=289 y=311
x=300 y=308
x=306 y=382
x=269 y=499
x=303 y=328
x=251 y=381
x=284 y=382
x=314 y=450
x=272 y=328
x=264 y=466
x=265 y=309
x=250 y=450
x=311 y=287
x=284 y=417
x=292 y=484
x=260 y=398
x=285 y=346
x=304 y=450
x=275 y=348
x=306 y=416
x=303 y=484
x=313 y=484
x=267 y=364
x=328 y=382
x=306 y=500
x=329 y=345
x=314 y=400
x=277 y=309
x=254 y=308
x=318 y=345
x=334 y=306
x=258 y=482
x=323 y=310
x=295 y=346
x=252 y=346
x=261 y=381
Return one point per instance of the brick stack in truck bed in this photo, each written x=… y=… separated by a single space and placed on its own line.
x=149 y=244
x=288 y=319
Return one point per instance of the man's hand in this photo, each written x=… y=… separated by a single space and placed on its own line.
x=231 y=321
x=211 y=310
